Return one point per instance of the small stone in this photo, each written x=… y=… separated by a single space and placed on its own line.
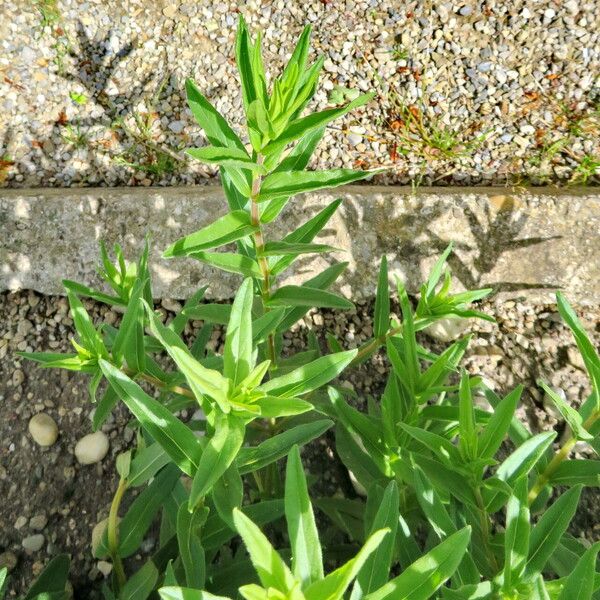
x=447 y=330
x=18 y=377
x=574 y=357
x=104 y=567
x=170 y=11
x=465 y=11
x=43 y=429
x=527 y=129
x=176 y=126
x=38 y=522
x=8 y=560
x=354 y=139
x=91 y=448
x=20 y=522
x=33 y=543
x=549 y=14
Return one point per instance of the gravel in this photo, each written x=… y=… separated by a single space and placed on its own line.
x=513 y=85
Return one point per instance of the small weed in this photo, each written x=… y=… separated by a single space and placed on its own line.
x=399 y=52
x=75 y=136
x=588 y=167
x=49 y=13
x=143 y=152
x=418 y=132
x=51 y=17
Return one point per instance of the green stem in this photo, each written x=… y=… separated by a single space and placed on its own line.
x=259 y=243
x=112 y=531
x=485 y=530
x=561 y=455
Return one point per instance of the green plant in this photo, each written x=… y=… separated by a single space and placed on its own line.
x=426 y=435
x=587 y=168
x=424 y=454
x=75 y=136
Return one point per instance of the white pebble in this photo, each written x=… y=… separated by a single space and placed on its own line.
x=91 y=448
x=176 y=126
x=33 y=543
x=43 y=429
x=447 y=330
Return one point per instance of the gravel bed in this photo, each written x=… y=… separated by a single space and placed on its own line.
x=487 y=92
x=51 y=502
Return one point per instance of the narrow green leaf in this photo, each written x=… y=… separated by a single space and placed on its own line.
x=307 y=559
x=305 y=234
x=143 y=509
x=569 y=414
x=227 y=494
x=300 y=127
x=432 y=506
x=375 y=572
x=273 y=408
x=381 y=322
x=227 y=261
x=574 y=472
x=278 y=446
x=466 y=420
x=90 y=338
x=212 y=313
x=201 y=380
x=309 y=377
x=180 y=593
x=191 y=551
x=581 y=583
x=547 y=532
x=290 y=183
x=497 y=427
x=53 y=579
x=141 y=584
x=524 y=458
x=84 y=290
x=587 y=349
x=426 y=575
x=294 y=249
x=271 y=570
x=231 y=227
x=226 y=157
x=321 y=281
x=335 y=584
x=129 y=341
x=217 y=131
x=176 y=438
x=299 y=157
x=220 y=452
x=296 y=295
x=146 y=463
x=516 y=538
x=237 y=354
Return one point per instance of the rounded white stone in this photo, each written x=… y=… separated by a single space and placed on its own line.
x=448 y=329
x=43 y=429
x=91 y=448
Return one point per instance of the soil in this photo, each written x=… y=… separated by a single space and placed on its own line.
x=526 y=343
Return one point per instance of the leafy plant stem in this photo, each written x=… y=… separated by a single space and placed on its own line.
x=485 y=530
x=113 y=534
x=259 y=242
x=561 y=454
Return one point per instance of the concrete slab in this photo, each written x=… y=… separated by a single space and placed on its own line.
x=524 y=243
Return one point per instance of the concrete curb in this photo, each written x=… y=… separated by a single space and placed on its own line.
x=524 y=243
